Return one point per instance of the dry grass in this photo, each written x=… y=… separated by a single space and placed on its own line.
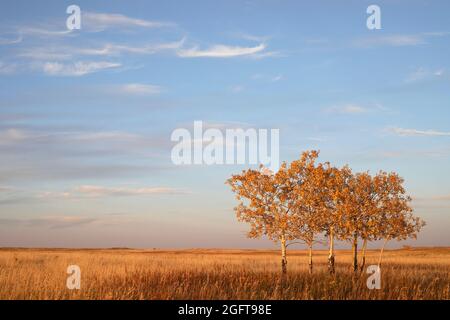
x=217 y=274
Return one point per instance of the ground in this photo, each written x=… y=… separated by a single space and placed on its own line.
x=414 y=273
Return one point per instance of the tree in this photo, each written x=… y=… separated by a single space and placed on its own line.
x=396 y=219
x=334 y=181
x=268 y=202
x=310 y=200
x=358 y=201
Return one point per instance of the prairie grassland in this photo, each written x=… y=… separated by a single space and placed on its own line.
x=218 y=274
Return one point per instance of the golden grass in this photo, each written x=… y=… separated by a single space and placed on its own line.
x=217 y=274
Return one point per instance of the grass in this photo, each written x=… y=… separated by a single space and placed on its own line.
x=419 y=273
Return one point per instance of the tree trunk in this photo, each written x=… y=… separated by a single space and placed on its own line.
x=283 y=255
x=363 y=254
x=381 y=252
x=310 y=259
x=331 y=254
x=355 y=252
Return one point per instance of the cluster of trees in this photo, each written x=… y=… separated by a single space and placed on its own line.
x=306 y=200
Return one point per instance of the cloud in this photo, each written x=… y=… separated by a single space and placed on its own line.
x=221 y=51
x=251 y=37
x=141 y=89
x=52 y=222
x=442 y=198
x=267 y=77
x=82 y=154
x=102 y=21
x=36 y=31
x=237 y=88
x=398 y=40
x=414 y=132
x=391 y=40
x=421 y=74
x=79 y=68
x=100 y=191
x=7 y=68
x=277 y=78
x=117 y=49
x=108 y=49
x=12 y=135
x=348 y=109
x=7 y=41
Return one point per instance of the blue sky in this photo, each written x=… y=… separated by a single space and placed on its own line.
x=86 y=116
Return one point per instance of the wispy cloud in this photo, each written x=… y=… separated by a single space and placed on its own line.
x=9 y=41
x=266 y=77
x=414 y=132
x=101 y=21
x=52 y=222
x=79 y=68
x=95 y=191
x=7 y=68
x=44 y=32
x=101 y=191
x=348 y=109
x=237 y=88
x=220 y=51
x=421 y=74
x=391 y=40
x=397 y=40
x=58 y=53
x=140 y=89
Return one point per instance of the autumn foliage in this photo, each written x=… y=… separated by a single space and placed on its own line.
x=305 y=201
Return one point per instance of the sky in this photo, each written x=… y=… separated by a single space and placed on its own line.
x=86 y=115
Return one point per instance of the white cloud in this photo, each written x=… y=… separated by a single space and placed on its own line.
x=237 y=88
x=36 y=31
x=141 y=89
x=398 y=40
x=12 y=135
x=115 y=49
x=267 y=54
x=221 y=51
x=348 y=109
x=7 y=41
x=101 y=21
x=414 y=132
x=52 y=222
x=109 y=49
x=277 y=78
x=97 y=191
x=7 y=68
x=79 y=68
x=424 y=74
x=390 y=40
x=267 y=77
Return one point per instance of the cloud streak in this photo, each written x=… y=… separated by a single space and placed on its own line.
x=101 y=21
x=220 y=51
x=416 y=133
x=79 y=68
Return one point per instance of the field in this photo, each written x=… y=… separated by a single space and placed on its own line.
x=417 y=273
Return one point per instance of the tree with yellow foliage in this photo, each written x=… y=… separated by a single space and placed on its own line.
x=305 y=199
x=268 y=201
x=396 y=219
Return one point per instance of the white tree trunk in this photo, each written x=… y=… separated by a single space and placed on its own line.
x=355 y=253
x=310 y=258
x=331 y=253
x=283 y=254
x=381 y=252
x=363 y=255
